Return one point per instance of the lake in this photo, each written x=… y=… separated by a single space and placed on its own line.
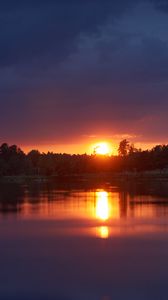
x=80 y=240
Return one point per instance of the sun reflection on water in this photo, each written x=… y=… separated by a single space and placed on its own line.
x=98 y=212
x=102 y=213
x=102 y=206
x=103 y=232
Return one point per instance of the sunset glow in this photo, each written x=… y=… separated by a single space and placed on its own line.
x=84 y=150
x=102 y=206
x=102 y=148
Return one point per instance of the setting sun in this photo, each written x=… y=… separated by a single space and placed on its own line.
x=101 y=149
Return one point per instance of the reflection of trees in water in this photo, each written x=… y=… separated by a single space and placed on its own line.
x=130 y=194
x=146 y=187
x=123 y=203
x=11 y=198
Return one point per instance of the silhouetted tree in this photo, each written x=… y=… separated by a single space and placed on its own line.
x=34 y=158
x=123 y=148
x=132 y=149
x=13 y=161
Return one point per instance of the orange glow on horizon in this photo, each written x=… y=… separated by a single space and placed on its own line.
x=102 y=148
x=107 y=147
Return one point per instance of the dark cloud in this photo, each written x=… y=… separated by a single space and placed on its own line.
x=161 y=5
x=34 y=29
x=72 y=68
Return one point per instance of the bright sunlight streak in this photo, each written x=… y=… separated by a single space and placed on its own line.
x=102 y=205
x=102 y=212
x=101 y=148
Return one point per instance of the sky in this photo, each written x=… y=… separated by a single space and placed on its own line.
x=74 y=73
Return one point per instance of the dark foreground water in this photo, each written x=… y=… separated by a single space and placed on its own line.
x=84 y=241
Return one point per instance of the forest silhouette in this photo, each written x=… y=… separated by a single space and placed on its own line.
x=13 y=161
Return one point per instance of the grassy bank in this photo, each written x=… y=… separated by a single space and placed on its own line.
x=159 y=175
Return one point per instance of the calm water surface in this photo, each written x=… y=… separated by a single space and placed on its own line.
x=74 y=240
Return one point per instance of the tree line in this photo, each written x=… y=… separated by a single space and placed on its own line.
x=13 y=161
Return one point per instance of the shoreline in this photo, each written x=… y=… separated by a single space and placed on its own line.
x=147 y=175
